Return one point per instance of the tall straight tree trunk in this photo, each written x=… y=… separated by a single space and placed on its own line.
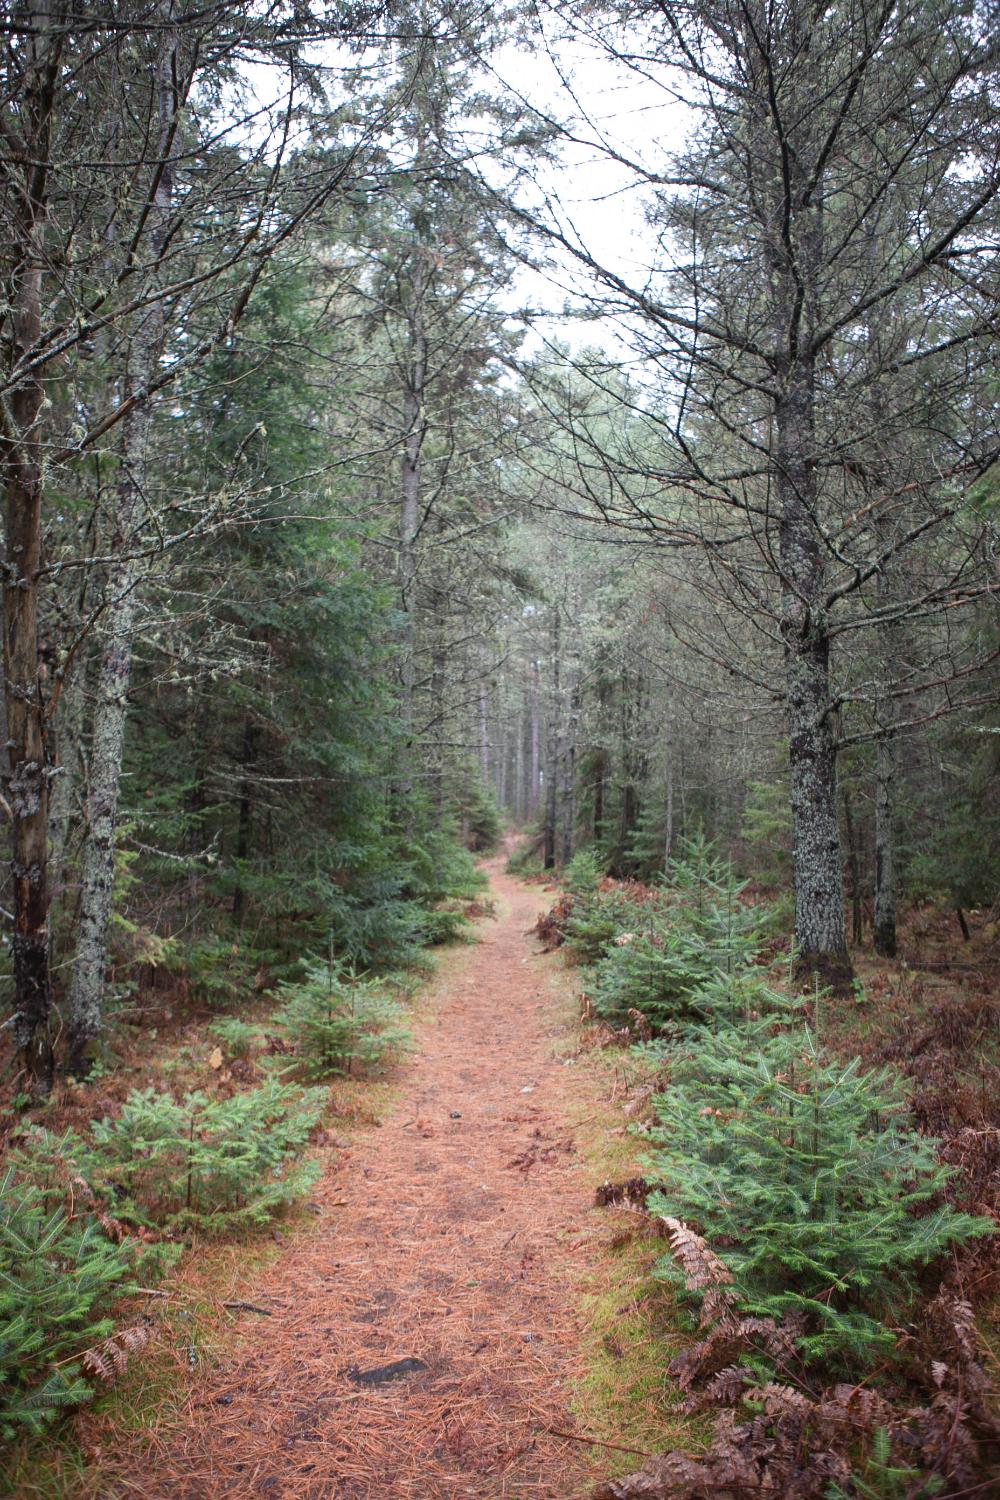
x=794 y=244
x=484 y=735
x=247 y=753
x=409 y=520
x=854 y=866
x=568 y=758
x=600 y=792
x=820 y=933
x=552 y=746
x=891 y=647
x=629 y=812
x=668 y=776
x=438 y=713
x=519 y=787
x=26 y=773
x=886 y=783
x=536 y=737
x=69 y=739
x=114 y=673
x=503 y=769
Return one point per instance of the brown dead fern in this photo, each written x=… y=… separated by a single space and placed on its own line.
x=109 y=1359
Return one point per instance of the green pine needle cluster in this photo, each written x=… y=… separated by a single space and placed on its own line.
x=656 y=954
x=58 y=1276
x=216 y=1164
x=335 y=1022
x=803 y=1173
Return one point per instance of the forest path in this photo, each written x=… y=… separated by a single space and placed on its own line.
x=445 y=1235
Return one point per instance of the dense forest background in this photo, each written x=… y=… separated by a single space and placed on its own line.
x=323 y=556
x=363 y=498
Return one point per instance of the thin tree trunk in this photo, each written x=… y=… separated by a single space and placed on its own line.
x=668 y=745
x=247 y=753
x=409 y=521
x=886 y=786
x=484 y=735
x=600 y=792
x=68 y=742
x=535 y=739
x=629 y=815
x=886 y=770
x=438 y=679
x=552 y=748
x=519 y=787
x=854 y=864
x=503 y=769
x=115 y=668
x=568 y=819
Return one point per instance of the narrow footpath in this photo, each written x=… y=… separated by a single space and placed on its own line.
x=451 y=1237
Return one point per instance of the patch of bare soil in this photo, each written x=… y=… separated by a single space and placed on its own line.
x=445 y=1249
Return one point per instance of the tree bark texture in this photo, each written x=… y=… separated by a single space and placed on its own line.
x=27 y=770
x=86 y=1001
x=886 y=786
x=552 y=745
x=820 y=935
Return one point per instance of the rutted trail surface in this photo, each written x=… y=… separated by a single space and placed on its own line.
x=447 y=1236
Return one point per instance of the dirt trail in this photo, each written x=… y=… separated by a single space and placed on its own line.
x=447 y=1236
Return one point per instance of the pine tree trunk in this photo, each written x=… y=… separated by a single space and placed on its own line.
x=629 y=816
x=519 y=787
x=248 y=751
x=484 y=736
x=886 y=769
x=668 y=736
x=600 y=792
x=552 y=749
x=68 y=741
x=886 y=783
x=535 y=739
x=820 y=934
x=86 y=999
x=27 y=783
x=27 y=772
x=568 y=818
x=854 y=864
x=409 y=521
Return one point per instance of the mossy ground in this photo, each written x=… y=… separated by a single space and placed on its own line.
x=632 y=1324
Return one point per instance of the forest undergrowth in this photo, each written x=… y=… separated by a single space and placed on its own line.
x=808 y=1200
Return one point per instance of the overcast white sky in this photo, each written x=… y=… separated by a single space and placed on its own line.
x=598 y=196
x=598 y=201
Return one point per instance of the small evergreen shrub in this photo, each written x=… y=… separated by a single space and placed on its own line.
x=674 y=951
x=658 y=973
x=335 y=1022
x=218 y=971
x=211 y=1162
x=698 y=863
x=214 y=1163
x=766 y=831
x=584 y=873
x=58 y=1277
x=597 y=919
x=236 y=1036
x=444 y=924
x=799 y=1170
